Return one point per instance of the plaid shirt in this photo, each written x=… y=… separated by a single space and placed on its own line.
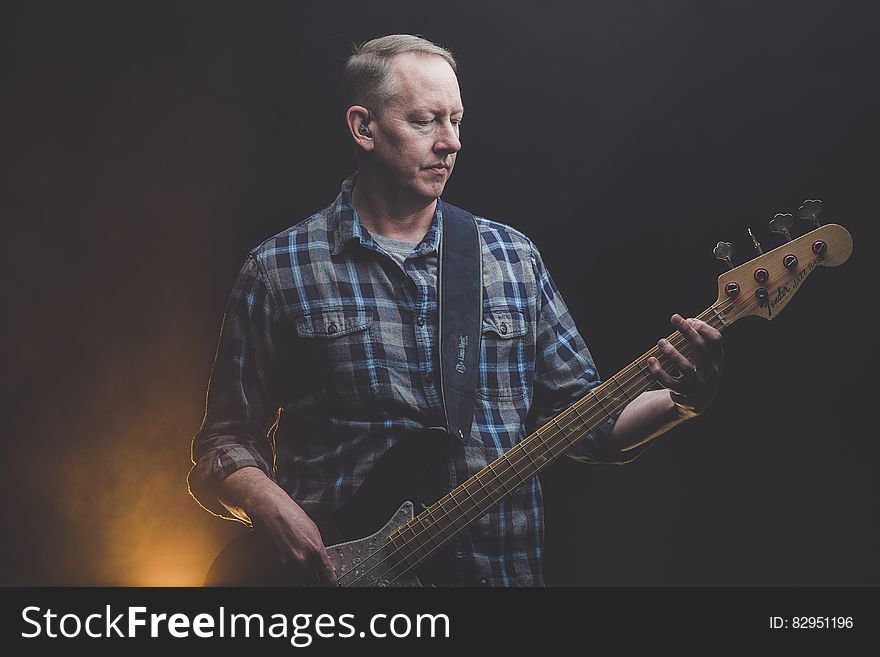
x=328 y=351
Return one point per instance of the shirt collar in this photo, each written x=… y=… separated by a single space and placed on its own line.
x=345 y=225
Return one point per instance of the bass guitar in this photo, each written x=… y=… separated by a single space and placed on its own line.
x=383 y=537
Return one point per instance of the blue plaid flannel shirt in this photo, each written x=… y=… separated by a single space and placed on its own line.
x=328 y=351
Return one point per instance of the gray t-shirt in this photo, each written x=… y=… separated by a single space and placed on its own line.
x=395 y=248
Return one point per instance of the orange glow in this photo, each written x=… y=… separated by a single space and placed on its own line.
x=171 y=567
x=130 y=517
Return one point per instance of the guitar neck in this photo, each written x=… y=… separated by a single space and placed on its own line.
x=421 y=537
x=761 y=287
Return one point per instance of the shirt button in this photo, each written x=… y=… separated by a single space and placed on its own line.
x=503 y=329
x=421 y=321
x=429 y=377
x=332 y=328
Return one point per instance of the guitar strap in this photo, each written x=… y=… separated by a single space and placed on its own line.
x=460 y=278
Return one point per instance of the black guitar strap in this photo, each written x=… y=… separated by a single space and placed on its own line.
x=461 y=315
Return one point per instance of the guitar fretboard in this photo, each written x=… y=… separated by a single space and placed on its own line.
x=784 y=269
x=421 y=537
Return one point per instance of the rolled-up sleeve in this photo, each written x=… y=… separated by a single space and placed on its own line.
x=565 y=372
x=242 y=399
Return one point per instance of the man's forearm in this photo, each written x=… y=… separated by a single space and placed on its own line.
x=250 y=495
x=647 y=416
x=248 y=491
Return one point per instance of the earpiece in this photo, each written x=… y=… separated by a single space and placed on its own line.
x=364 y=130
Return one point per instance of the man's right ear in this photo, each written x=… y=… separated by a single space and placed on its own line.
x=358 y=119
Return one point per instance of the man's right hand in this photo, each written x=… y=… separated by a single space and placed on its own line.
x=250 y=495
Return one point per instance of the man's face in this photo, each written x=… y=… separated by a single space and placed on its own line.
x=416 y=135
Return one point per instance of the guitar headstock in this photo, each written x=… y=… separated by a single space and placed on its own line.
x=764 y=286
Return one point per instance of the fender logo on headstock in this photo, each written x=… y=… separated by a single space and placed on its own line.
x=783 y=290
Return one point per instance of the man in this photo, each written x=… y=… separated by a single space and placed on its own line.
x=334 y=321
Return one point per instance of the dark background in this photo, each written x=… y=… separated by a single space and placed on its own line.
x=147 y=146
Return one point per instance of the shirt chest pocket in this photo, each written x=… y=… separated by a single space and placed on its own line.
x=339 y=343
x=507 y=359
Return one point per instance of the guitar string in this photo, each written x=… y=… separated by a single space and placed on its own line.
x=739 y=303
x=509 y=461
x=547 y=428
x=623 y=379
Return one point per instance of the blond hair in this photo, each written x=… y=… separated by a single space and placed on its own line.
x=365 y=78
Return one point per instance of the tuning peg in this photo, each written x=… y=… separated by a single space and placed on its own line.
x=810 y=212
x=781 y=223
x=756 y=242
x=723 y=252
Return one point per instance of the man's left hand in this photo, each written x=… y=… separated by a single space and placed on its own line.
x=692 y=380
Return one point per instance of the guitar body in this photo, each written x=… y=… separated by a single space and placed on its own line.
x=356 y=534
